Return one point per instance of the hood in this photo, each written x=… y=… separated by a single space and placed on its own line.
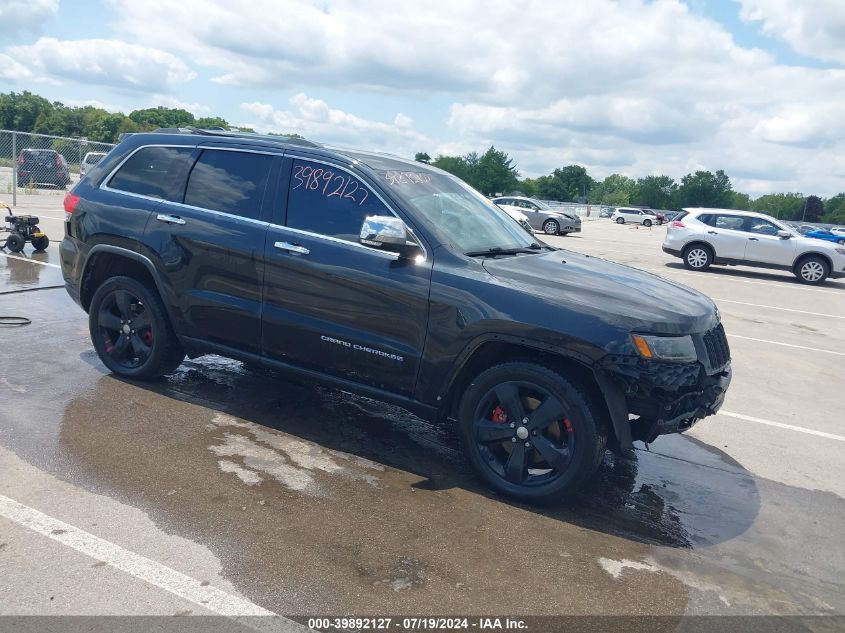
x=622 y=296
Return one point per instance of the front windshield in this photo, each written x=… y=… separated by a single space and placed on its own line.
x=457 y=212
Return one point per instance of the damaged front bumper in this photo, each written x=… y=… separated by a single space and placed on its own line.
x=663 y=397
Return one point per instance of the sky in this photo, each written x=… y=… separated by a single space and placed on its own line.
x=753 y=87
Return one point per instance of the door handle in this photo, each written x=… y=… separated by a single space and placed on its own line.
x=753 y=239
x=713 y=232
x=170 y=219
x=291 y=248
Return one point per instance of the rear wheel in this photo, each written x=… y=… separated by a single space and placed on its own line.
x=551 y=227
x=15 y=242
x=529 y=432
x=697 y=257
x=620 y=220
x=130 y=330
x=812 y=270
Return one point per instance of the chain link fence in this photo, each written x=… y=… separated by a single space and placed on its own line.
x=36 y=164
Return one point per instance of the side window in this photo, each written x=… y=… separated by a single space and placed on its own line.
x=762 y=227
x=329 y=201
x=704 y=218
x=158 y=172
x=531 y=206
x=230 y=182
x=730 y=222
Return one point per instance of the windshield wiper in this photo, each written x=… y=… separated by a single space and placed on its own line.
x=498 y=250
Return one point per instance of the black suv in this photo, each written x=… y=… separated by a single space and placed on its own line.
x=391 y=279
x=42 y=167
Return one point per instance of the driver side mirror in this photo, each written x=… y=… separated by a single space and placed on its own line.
x=390 y=234
x=784 y=235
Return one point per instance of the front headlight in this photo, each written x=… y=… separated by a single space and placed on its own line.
x=678 y=348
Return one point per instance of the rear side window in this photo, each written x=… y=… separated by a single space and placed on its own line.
x=705 y=218
x=329 y=201
x=230 y=182
x=158 y=172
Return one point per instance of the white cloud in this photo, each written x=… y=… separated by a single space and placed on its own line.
x=107 y=62
x=17 y=16
x=815 y=28
x=197 y=109
x=314 y=119
x=11 y=70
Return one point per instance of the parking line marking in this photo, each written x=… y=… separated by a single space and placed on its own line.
x=781 y=425
x=27 y=259
x=759 y=305
x=136 y=565
x=811 y=349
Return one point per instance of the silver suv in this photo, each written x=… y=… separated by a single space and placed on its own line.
x=541 y=216
x=702 y=237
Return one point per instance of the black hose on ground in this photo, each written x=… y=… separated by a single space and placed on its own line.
x=16 y=321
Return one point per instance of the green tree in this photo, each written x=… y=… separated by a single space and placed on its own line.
x=834 y=209
x=208 y=122
x=705 y=189
x=811 y=211
x=151 y=118
x=655 y=192
x=422 y=157
x=456 y=165
x=495 y=173
x=565 y=184
x=740 y=201
x=615 y=190
x=528 y=187
x=780 y=205
x=19 y=111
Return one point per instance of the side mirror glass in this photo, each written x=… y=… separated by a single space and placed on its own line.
x=388 y=233
x=784 y=235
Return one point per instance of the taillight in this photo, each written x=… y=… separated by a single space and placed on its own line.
x=677 y=224
x=70 y=202
x=58 y=161
x=20 y=159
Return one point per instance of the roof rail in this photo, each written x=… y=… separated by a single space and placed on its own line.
x=189 y=129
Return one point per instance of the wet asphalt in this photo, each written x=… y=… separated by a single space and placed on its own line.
x=311 y=501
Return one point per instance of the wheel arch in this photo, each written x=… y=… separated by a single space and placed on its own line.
x=490 y=350
x=701 y=243
x=105 y=261
x=800 y=259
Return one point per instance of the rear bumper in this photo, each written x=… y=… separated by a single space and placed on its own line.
x=671 y=251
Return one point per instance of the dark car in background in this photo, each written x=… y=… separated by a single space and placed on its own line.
x=39 y=167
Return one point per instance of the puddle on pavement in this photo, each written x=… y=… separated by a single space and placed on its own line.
x=317 y=501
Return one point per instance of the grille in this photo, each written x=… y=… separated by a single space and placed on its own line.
x=716 y=343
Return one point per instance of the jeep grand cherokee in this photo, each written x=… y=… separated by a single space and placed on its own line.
x=392 y=279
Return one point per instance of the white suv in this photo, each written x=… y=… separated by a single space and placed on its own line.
x=621 y=215
x=702 y=237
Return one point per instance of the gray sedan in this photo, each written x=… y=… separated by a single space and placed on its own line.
x=541 y=216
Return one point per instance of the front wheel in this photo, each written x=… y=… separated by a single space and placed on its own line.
x=812 y=270
x=550 y=227
x=15 y=242
x=40 y=243
x=529 y=432
x=130 y=330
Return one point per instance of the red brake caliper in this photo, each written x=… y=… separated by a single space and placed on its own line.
x=148 y=337
x=499 y=415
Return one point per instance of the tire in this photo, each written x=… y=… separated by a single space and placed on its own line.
x=551 y=227
x=620 y=220
x=569 y=430
x=841 y=242
x=812 y=270
x=150 y=348
x=697 y=257
x=15 y=242
x=40 y=243
x=647 y=223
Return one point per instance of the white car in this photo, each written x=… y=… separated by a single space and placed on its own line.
x=90 y=159
x=702 y=237
x=629 y=215
x=517 y=215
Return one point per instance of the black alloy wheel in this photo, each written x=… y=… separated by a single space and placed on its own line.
x=130 y=330
x=530 y=433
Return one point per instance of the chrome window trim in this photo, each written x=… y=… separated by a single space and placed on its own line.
x=387 y=206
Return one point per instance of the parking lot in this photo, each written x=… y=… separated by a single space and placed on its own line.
x=227 y=490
